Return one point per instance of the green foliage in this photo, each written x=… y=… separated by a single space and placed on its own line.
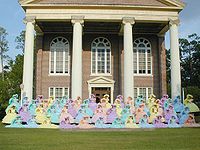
x=190 y=65
x=195 y=91
x=190 y=60
x=20 y=40
x=11 y=84
x=3 y=49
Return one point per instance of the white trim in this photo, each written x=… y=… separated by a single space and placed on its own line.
x=101 y=82
x=97 y=75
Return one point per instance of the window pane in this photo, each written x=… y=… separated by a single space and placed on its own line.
x=52 y=61
x=101 y=60
x=101 y=56
x=67 y=59
x=58 y=93
x=60 y=48
x=93 y=60
x=135 y=93
x=59 y=61
x=142 y=61
x=143 y=92
x=143 y=47
x=108 y=60
x=149 y=92
x=135 y=60
x=149 y=61
x=51 y=92
x=66 y=92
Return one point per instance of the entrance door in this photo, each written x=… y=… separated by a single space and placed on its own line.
x=99 y=92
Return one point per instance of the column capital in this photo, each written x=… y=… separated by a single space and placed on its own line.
x=29 y=19
x=130 y=20
x=174 y=22
x=77 y=19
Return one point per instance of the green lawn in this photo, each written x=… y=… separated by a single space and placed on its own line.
x=55 y=139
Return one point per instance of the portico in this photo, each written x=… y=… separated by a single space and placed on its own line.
x=127 y=22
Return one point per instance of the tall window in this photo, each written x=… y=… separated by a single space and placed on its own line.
x=58 y=92
x=144 y=91
x=59 y=56
x=101 y=56
x=142 y=58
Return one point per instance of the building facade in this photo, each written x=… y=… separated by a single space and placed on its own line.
x=100 y=47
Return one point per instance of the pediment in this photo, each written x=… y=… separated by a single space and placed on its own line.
x=101 y=80
x=136 y=3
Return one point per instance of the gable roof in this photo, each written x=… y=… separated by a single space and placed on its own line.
x=136 y=3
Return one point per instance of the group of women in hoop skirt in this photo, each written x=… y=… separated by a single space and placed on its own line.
x=85 y=114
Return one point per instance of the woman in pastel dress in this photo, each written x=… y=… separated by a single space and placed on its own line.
x=66 y=124
x=144 y=122
x=158 y=122
x=172 y=123
x=130 y=122
x=40 y=114
x=139 y=113
x=117 y=123
x=99 y=114
x=153 y=113
x=24 y=113
x=72 y=110
x=64 y=114
x=10 y=115
x=31 y=123
x=16 y=123
x=47 y=124
x=125 y=113
x=84 y=123
x=190 y=122
x=117 y=103
x=188 y=102
x=100 y=123
x=92 y=103
x=111 y=114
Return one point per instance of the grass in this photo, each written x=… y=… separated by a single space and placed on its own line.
x=55 y=139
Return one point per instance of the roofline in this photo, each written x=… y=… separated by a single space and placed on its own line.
x=102 y=6
x=178 y=5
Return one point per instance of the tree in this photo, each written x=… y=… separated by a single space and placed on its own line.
x=12 y=77
x=190 y=65
x=3 y=49
x=20 y=40
x=190 y=55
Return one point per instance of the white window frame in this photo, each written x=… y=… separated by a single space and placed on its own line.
x=64 y=56
x=147 y=91
x=96 y=55
x=54 y=91
x=146 y=48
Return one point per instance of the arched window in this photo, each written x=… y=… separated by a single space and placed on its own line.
x=59 y=56
x=101 y=56
x=142 y=57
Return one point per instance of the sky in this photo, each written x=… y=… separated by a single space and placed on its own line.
x=11 y=18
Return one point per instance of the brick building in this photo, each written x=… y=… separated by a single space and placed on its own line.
x=100 y=47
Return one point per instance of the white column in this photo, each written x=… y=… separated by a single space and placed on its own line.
x=175 y=60
x=76 y=90
x=27 y=89
x=128 y=57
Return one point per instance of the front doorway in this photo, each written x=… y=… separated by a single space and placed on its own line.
x=99 y=92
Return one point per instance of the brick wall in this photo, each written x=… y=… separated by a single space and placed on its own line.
x=44 y=80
